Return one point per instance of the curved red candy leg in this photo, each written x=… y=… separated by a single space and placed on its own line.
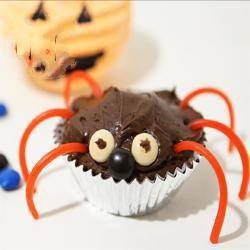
x=198 y=148
x=185 y=102
x=201 y=123
x=97 y=92
x=64 y=113
x=49 y=157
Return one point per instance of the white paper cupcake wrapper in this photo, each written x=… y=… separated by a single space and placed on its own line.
x=130 y=199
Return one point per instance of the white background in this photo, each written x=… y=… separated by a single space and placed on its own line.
x=183 y=44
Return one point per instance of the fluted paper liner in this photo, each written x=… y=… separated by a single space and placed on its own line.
x=130 y=199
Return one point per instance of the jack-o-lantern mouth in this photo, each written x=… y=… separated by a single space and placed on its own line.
x=84 y=63
x=66 y=65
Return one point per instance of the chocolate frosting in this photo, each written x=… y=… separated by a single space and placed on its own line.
x=125 y=115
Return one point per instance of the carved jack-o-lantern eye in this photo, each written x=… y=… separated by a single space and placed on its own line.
x=39 y=13
x=84 y=16
x=101 y=145
x=144 y=149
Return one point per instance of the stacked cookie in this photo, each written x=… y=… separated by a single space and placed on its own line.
x=55 y=38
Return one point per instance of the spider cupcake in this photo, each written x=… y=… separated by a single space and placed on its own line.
x=133 y=150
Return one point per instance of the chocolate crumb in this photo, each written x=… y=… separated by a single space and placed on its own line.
x=101 y=143
x=146 y=145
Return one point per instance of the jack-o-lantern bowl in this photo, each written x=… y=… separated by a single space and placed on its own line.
x=54 y=38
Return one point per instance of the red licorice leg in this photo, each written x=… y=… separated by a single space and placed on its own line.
x=185 y=102
x=64 y=113
x=48 y=158
x=198 y=148
x=201 y=123
x=97 y=92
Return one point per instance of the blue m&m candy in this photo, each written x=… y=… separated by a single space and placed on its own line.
x=3 y=110
x=9 y=179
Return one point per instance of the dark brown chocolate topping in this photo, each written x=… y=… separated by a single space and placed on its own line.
x=145 y=144
x=126 y=115
x=101 y=143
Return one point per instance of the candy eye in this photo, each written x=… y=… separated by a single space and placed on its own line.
x=144 y=149
x=101 y=145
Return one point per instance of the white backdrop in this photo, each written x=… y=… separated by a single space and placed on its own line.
x=183 y=44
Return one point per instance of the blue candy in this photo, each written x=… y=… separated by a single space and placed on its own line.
x=9 y=179
x=3 y=110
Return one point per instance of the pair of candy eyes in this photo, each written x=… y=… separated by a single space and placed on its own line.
x=144 y=147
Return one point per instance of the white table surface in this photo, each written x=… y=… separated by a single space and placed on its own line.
x=183 y=44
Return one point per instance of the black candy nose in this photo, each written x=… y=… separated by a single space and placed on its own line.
x=121 y=164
